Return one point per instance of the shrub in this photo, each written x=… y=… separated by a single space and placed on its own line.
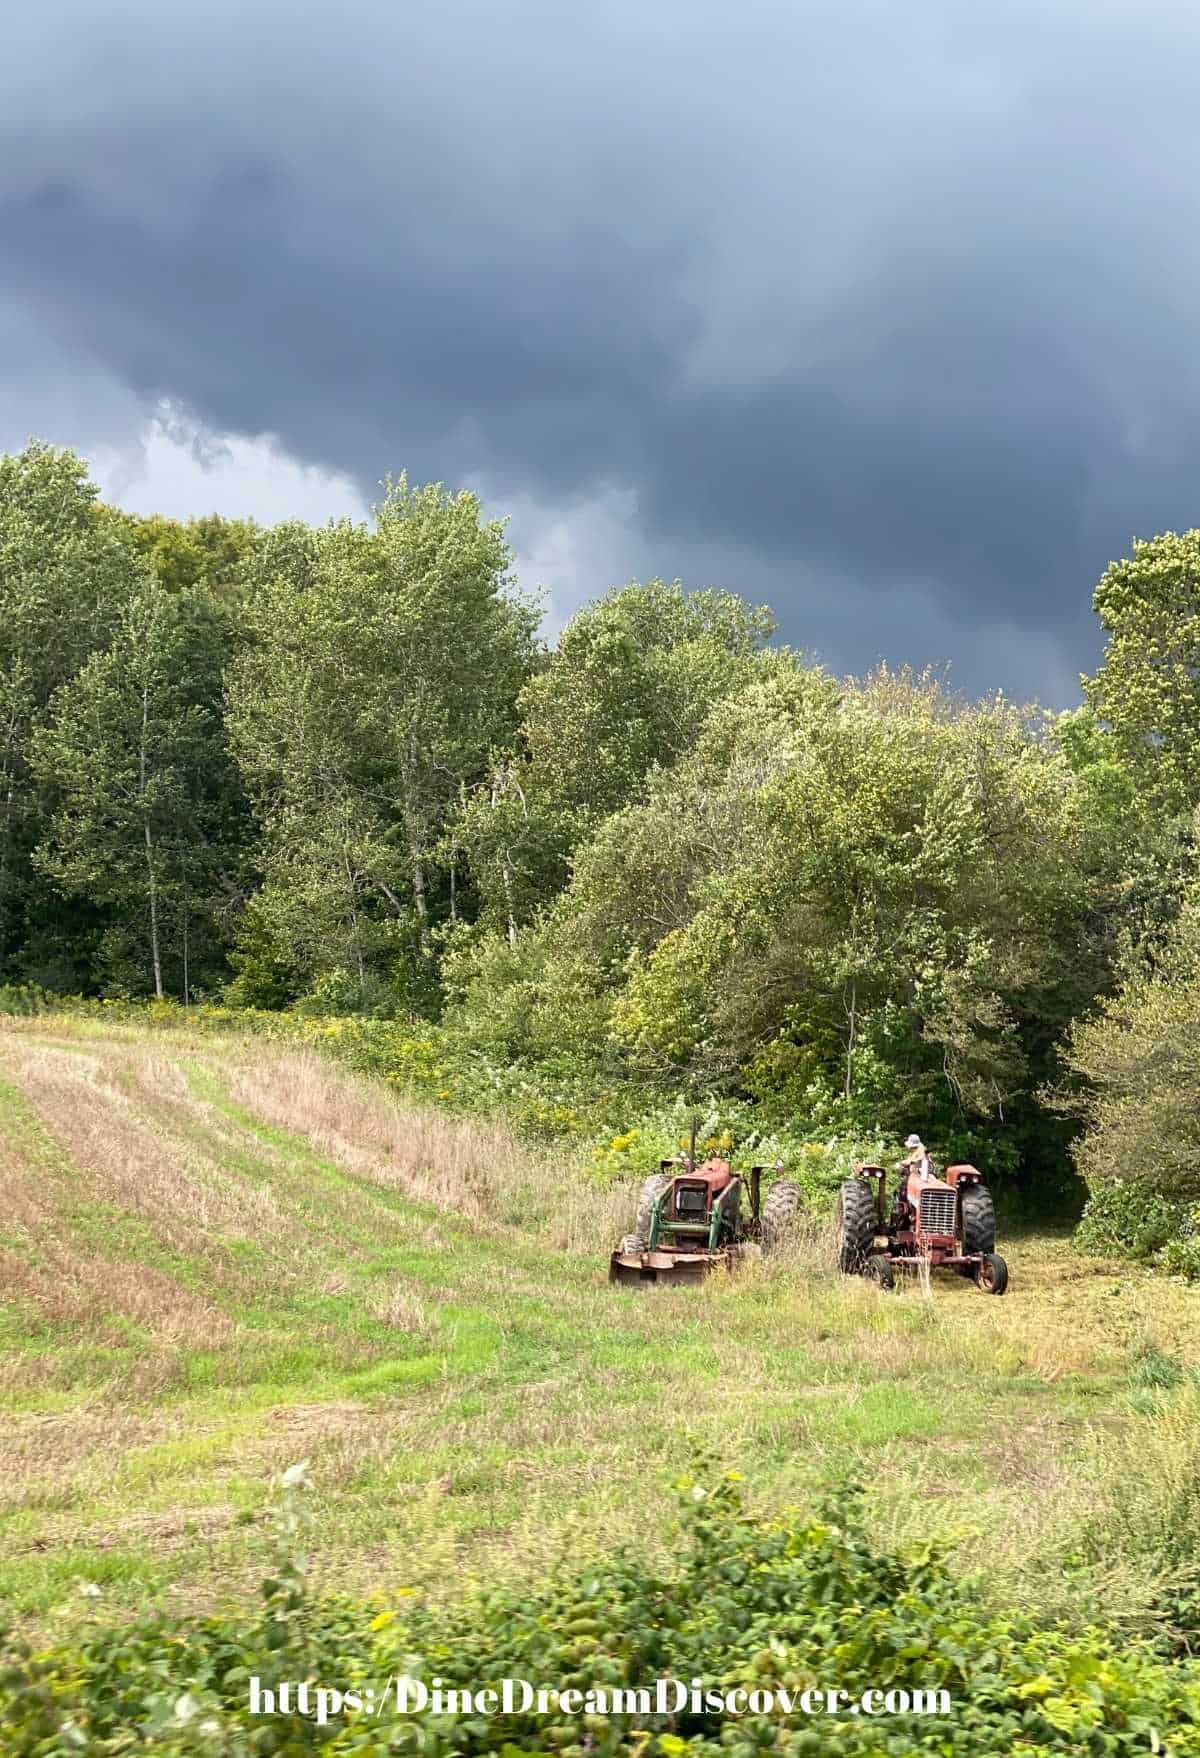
x=1128 y=1218
x=745 y=1602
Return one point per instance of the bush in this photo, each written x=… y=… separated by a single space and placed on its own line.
x=1128 y=1218
x=819 y=1163
x=28 y=999
x=746 y=1602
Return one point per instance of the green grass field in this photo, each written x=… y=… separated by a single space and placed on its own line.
x=219 y=1258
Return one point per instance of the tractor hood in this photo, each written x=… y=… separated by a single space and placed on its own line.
x=954 y=1176
x=715 y=1173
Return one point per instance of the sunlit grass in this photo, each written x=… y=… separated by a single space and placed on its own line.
x=219 y=1258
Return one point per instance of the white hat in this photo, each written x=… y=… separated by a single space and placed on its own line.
x=914 y=1141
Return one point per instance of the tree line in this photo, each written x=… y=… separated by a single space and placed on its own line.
x=337 y=768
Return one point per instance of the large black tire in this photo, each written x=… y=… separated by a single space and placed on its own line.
x=877 y=1269
x=651 y=1191
x=978 y=1219
x=856 y=1225
x=780 y=1208
x=993 y=1275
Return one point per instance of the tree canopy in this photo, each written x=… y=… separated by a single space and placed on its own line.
x=338 y=768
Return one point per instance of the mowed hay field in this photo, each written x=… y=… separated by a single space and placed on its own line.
x=218 y=1258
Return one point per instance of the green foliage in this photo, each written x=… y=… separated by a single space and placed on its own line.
x=383 y=668
x=1128 y=1218
x=624 y=692
x=1148 y=688
x=1136 y=1069
x=141 y=804
x=746 y=1603
x=819 y=1163
x=27 y=1000
x=865 y=907
x=64 y=573
x=210 y=554
x=661 y=859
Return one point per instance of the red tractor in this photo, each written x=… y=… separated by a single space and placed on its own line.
x=691 y=1219
x=940 y=1221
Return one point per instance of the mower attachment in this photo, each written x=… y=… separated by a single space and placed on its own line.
x=665 y=1266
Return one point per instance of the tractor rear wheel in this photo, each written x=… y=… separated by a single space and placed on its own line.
x=779 y=1212
x=651 y=1191
x=978 y=1219
x=856 y=1225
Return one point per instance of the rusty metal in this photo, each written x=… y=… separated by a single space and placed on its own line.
x=924 y=1228
x=669 y=1266
x=693 y=1226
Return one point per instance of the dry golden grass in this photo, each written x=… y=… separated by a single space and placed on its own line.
x=477 y=1169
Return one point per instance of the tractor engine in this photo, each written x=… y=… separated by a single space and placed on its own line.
x=698 y=1208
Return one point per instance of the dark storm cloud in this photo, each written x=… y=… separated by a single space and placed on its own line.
x=894 y=303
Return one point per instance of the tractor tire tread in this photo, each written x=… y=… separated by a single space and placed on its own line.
x=978 y=1220
x=780 y=1208
x=856 y=1225
x=652 y=1189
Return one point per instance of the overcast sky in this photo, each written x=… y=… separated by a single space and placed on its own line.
x=887 y=314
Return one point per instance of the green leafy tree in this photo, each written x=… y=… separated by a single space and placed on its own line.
x=211 y=553
x=143 y=808
x=1136 y=1065
x=1148 y=688
x=64 y=573
x=1146 y=852
x=384 y=667
x=626 y=690
x=880 y=898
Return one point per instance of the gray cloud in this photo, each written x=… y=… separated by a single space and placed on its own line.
x=887 y=314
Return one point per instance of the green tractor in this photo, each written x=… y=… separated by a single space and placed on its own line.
x=697 y=1216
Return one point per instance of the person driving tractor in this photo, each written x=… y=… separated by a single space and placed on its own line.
x=917 y=1159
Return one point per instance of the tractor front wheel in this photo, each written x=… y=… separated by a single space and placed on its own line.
x=779 y=1211
x=878 y=1269
x=992 y=1274
x=651 y=1191
x=856 y=1225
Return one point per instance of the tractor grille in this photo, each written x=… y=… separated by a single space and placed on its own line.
x=937 y=1211
x=691 y=1201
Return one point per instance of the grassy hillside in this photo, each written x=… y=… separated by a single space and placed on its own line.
x=218 y=1258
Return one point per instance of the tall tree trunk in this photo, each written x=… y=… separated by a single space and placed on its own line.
x=186 y=985
x=852 y=1015
x=419 y=899
x=6 y=835
x=508 y=903
x=5 y=847
x=419 y=888
x=152 y=878
x=155 y=956
x=354 y=931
